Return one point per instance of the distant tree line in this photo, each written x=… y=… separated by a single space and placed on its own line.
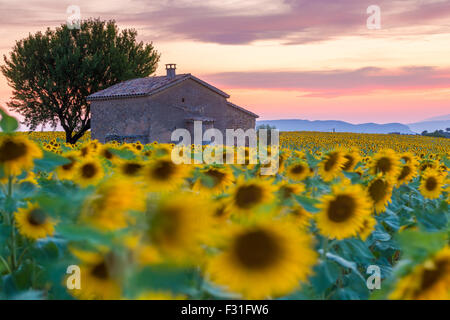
x=437 y=133
x=268 y=128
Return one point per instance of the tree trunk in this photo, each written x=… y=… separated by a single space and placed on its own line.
x=73 y=139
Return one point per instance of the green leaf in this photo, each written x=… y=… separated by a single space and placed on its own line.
x=447 y=162
x=48 y=249
x=50 y=161
x=419 y=245
x=380 y=235
x=353 y=176
x=161 y=278
x=7 y=285
x=81 y=233
x=24 y=190
x=391 y=219
x=123 y=153
x=308 y=204
x=345 y=263
x=431 y=219
x=8 y=124
x=29 y=295
x=357 y=249
x=218 y=292
x=27 y=272
x=325 y=276
x=346 y=294
x=5 y=232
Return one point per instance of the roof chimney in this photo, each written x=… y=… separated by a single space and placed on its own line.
x=170 y=68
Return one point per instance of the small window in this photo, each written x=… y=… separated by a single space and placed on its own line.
x=182 y=99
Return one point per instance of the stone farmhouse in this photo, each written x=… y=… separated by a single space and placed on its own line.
x=150 y=109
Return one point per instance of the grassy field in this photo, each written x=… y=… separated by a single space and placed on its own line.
x=342 y=210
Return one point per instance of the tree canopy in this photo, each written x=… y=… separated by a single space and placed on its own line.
x=53 y=72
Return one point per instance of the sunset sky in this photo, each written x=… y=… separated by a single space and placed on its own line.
x=282 y=59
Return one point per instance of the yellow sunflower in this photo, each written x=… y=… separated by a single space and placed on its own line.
x=263 y=260
x=131 y=169
x=299 y=216
x=431 y=184
x=367 y=228
x=108 y=208
x=331 y=165
x=100 y=275
x=298 y=170
x=427 y=281
x=287 y=190
x=67 y=171
x=343 y=212
x=428 y=164
x=282 y=157
x=160 y=295
x=163 y=150
x=214 y=179
x=31 y=178
x=34 y=223
x=385 y=162
x=380 y=192
x=106 y=153
x=409 y=158
x=299 y=154
x=17 y=154
x=178 y=225
x=85 y=151
x=443 y=169
x=147 y=254
x=407 y=172
x=222 y=209
x=162 y=174
x=272 y=163
x=246 y=156
x=352 y=158
x=247 y=196
x=447 y=190
x=138 y=146
x=88 y=172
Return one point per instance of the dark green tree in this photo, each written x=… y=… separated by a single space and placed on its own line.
x=53 y=72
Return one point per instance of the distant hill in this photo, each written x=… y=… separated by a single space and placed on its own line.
x=338 y=126
x=439 y=118
x=430 y=126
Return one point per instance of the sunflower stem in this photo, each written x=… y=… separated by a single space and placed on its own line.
x=5 y=264
x=22 y=255
x=325 y=249
x=13 y=229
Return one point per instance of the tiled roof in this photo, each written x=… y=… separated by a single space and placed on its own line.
x=242 y=109
x=147 y=86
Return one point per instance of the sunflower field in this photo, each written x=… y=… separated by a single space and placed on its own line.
x=342 y=210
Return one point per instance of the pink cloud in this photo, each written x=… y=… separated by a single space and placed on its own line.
x=327 y=84
x=301 y=21
x=304 y=22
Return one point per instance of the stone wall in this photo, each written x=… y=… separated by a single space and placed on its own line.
x=239 y=119
x=172 y=107
x=122 y=117
x=157 y=116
